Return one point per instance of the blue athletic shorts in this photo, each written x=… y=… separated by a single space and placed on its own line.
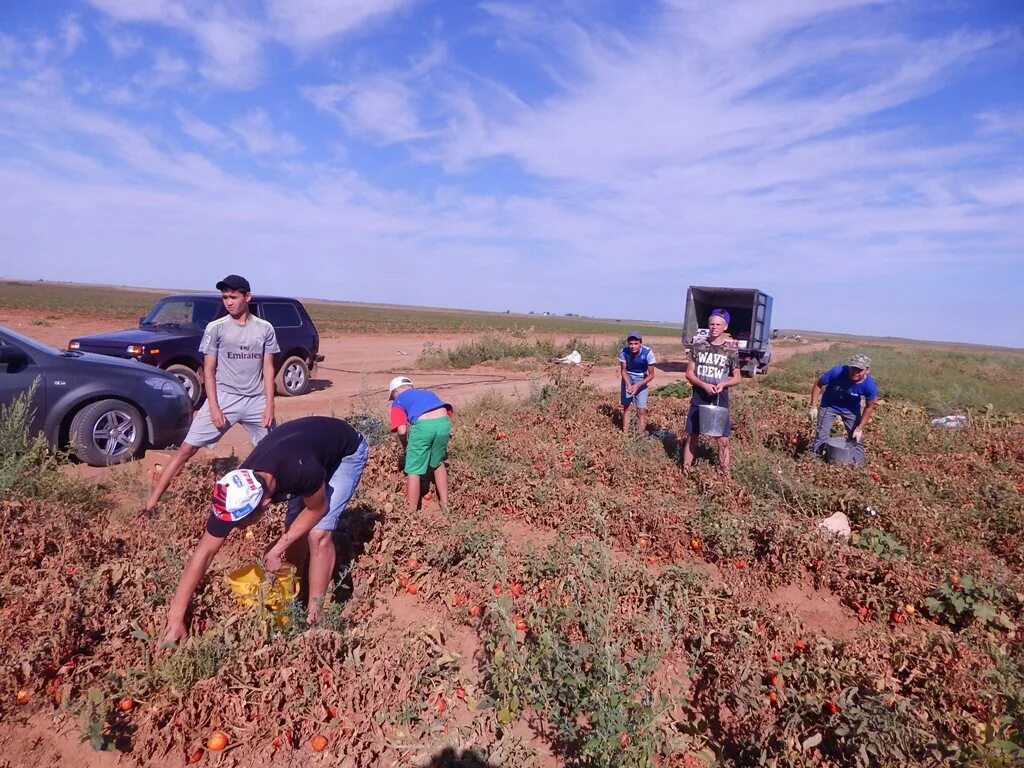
x=340 y=490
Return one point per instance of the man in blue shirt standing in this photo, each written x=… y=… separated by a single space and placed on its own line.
x=636 y=361
x=841 y=390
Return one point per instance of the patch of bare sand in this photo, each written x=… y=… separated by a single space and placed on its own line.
x=820 y=611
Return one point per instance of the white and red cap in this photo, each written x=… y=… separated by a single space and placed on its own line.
x=236 y=495
x=398 y=381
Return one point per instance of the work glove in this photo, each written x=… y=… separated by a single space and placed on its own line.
x=858 y=435
x=813 y=413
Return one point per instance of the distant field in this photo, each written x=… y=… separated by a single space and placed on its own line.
x=128 y=304
x=942 y=380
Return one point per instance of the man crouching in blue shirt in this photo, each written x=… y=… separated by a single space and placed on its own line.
x=843 y=388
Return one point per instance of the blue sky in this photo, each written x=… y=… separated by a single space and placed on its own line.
x=861 y=161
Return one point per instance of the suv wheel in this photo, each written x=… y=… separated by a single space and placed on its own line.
x=190 y=379
x=107 y=432
x=293 y=378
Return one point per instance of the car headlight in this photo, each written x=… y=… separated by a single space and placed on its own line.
x=166 y=387
x=73 y=345
x=136 y=349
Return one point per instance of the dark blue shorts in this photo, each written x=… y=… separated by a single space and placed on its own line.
x=693 y=422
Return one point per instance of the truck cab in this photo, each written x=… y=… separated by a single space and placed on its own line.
x=750 y=312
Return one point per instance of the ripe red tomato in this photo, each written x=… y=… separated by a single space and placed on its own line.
x=217 y=741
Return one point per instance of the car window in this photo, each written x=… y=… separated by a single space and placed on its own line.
x=280 y=314
x=185 y=313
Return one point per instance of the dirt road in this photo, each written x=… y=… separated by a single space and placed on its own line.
x=355 y=374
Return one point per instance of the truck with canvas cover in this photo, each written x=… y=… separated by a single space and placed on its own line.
x=750 y=317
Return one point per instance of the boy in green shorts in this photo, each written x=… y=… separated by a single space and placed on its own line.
x=423 y=423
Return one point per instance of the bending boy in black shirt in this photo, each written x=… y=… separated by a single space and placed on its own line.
x=315 y=464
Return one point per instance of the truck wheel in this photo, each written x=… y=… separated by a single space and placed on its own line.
x=293 y=378
x=189 y=378
x=107 y=432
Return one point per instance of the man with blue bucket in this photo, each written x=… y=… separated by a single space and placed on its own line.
x=636 y=369
x=714 y=368
x=841 y=389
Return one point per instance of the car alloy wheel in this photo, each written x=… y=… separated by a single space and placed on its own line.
x=295 y=377
x=114 y=433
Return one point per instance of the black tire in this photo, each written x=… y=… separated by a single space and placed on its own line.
x=107 y=432
x=293 y=378
x=193 y=382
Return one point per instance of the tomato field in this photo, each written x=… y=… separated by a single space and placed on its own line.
x=583 y=602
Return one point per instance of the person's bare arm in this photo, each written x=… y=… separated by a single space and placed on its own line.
x=735 y=378
x=315 y=509
x=691 y=377
x=625 y=378
x=195 y=569
x=869 y=410
x=210 y=382
x=268 y=388
x=815 y=392
x=648 y=378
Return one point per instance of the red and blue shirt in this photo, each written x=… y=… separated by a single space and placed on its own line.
x=413 y=403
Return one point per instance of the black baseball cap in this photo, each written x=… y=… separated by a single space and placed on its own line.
x=234 y=283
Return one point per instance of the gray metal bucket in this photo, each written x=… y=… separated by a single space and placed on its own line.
x=841 y=450
x=712 y=420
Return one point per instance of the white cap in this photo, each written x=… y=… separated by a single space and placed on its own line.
x=398 y=381
x=236 y=495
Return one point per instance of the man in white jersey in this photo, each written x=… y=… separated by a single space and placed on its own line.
x=238 y=373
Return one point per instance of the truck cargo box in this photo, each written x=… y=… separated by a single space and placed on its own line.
x=750 y=313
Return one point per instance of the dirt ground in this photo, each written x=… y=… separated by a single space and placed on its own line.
x=355 y=374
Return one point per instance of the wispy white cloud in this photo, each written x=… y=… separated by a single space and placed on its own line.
x=262 y=138
x=998 y=122
x=231 y=38
x=305 y=24
x=379 y=109
x=200 y=130
x=121 y=43
x=168 y=69
x=71 y=33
